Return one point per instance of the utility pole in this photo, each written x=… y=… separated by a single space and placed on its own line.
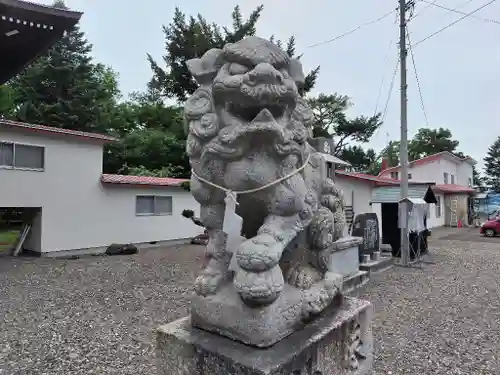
x=403 y=150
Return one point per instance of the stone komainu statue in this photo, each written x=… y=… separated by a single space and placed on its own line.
x=247 y=133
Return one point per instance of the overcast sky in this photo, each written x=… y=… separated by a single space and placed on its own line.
x=458 y=68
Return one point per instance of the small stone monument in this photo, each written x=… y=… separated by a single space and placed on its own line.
x=366 y=225
x=270 y=300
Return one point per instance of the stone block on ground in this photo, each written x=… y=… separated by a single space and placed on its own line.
x=383 y=263
x=356 y=281
x=337 y=343
x=121 y=249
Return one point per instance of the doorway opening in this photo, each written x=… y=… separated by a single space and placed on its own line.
x=20 y=229
x=391 y=234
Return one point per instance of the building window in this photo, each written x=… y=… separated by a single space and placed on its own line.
x=153 y=205
x=438 y=207
x=452 y=179
x=22 y=156
x=409 y=176
x=394 y=175
x=470 y=182
x=445 y=177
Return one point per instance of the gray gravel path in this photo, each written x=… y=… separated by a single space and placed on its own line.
x=96 y=315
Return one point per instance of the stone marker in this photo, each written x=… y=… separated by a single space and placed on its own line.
x=366 y=226
x=279 y=308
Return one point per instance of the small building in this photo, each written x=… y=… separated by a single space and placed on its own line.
x=453 y=178
x=380 y=195
x=55 y=176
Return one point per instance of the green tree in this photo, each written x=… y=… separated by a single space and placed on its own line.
x=330 y=119
x=477 y=179
x=187 y=38
x=426 y=142
x=155 y=150
x=365 y=161
x=431 y=141
x=64 y=88
x=391 y=153
x=6 y=101
x=492 y=166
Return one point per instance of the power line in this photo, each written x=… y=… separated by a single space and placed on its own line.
x=454 y=23
x=416 y=77
x=379 y=94
x=423 y=10
x=460 y=12
x=354 y=30
x=391 y=86
x=386 y=63
x=384 y=114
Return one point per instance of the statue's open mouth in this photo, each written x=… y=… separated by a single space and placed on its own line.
x=248 y=113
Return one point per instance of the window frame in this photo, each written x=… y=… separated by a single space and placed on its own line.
x=13 y=166
x=452 y=179
x=409 y=176
x=395 y=174
x=445 y=177
x=154 y=213
x=438 y=212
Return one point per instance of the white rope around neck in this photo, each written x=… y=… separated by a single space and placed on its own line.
x=234 y=194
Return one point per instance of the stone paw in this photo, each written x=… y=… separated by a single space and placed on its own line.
x=260 y=253
x=259 y=289
x=333 y=283
x=208 y=282
x=315 y=302
x=303 y=277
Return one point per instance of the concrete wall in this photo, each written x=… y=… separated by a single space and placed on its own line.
x=77 y=210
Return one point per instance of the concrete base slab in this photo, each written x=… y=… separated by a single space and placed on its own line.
x=353 y=282
x=337 y=343
x=374 y=266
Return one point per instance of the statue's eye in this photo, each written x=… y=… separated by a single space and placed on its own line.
x=238 y=69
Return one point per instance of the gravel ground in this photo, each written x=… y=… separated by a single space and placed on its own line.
x=95 y=315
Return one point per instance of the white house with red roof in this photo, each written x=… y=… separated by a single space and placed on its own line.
x=453 y=178
x=56 y=175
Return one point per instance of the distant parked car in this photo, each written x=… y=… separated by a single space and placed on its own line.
x=490 y=228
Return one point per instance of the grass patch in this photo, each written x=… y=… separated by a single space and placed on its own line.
x=7 y=239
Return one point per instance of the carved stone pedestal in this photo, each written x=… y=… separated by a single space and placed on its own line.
x=337 y=343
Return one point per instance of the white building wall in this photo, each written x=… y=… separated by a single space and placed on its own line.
x=77 y=210
x=434 y=170
x=446 y=166
x=434 y=221
x=465 y=175
x=356 y=193
x=377 y=208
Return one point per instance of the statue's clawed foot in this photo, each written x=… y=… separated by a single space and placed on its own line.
x=208 y=281
x=259 y=253
x=303 y=276
x=259 y=280
x=319 y=297
x=259 y=289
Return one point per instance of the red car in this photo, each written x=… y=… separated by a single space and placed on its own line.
x=490 y=228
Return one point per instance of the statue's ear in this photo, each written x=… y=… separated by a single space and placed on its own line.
x=296 y=72
x=205 y=68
